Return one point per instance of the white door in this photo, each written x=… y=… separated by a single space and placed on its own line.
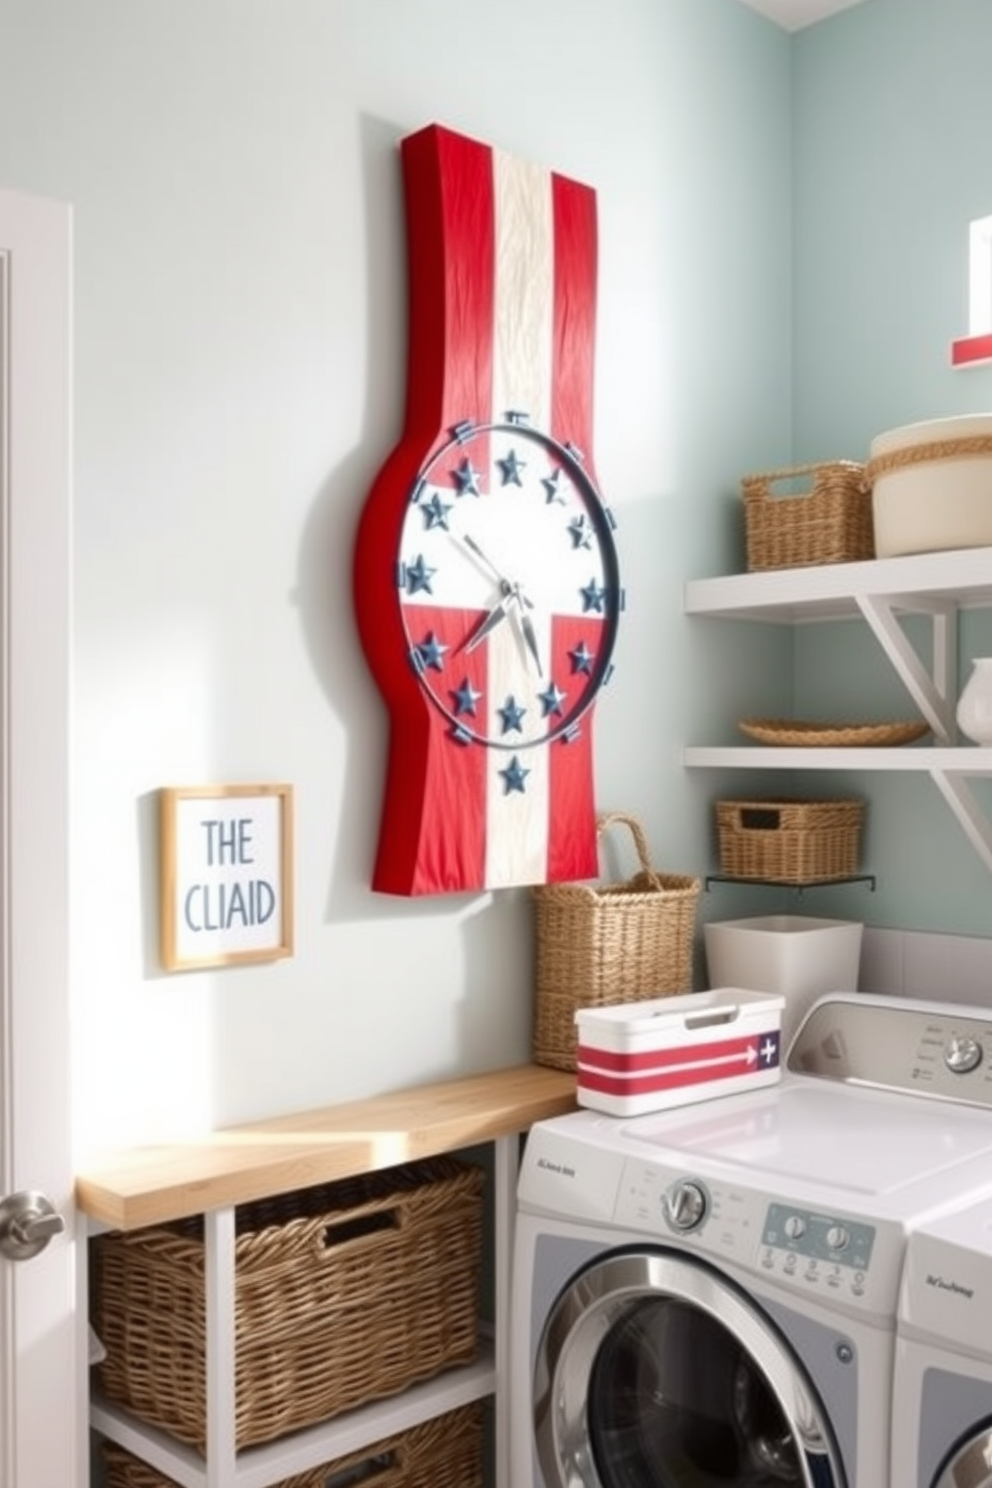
x=42 y=1367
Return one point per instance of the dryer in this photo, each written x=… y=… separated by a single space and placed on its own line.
x=706 y=1297
x=942 y=1396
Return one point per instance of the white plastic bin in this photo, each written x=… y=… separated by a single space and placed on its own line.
x=796 y=956
x=671 y=1051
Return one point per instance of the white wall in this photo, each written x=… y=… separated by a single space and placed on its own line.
x=240 y=342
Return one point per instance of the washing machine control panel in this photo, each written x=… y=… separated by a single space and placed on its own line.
x=840 y=1257
x=928 y=1050
x=821 y=1249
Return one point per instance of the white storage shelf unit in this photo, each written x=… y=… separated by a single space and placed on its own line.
x=133 y=1189
x=881 y=592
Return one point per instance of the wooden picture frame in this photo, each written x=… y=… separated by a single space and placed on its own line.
x=226 y=889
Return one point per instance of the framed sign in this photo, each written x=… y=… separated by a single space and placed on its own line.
x=226 y=874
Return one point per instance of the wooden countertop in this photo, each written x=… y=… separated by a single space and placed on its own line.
x=152 y=1185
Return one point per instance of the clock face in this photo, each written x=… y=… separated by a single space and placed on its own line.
x=509 y=586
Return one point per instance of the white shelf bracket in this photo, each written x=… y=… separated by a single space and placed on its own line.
x=934 y=695
x=959 y=797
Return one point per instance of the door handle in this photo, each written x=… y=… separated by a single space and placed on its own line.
x=28 y=1220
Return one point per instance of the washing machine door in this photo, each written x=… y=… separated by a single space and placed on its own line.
x=654 y=1371
x=969 y=1465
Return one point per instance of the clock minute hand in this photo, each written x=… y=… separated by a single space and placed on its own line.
x=500 y=578
x=527 y=626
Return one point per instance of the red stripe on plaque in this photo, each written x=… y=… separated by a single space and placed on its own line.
x=451 y=833
x=451 y=232
x=574 y=331
x=572 y=842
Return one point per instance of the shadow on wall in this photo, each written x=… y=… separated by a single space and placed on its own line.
x=324 y=589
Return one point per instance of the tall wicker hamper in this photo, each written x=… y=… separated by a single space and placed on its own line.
x=830 y=522
x=610 y=943
x=443 y=1453
x=344 y=1293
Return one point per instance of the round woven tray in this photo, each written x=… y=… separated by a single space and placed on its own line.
x=791 y=731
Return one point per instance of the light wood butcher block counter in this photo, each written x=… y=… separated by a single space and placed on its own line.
x=141 y=1186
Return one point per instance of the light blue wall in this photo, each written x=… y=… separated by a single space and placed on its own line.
x=892 y=130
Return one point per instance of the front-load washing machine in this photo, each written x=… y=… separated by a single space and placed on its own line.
x=942 y=1396
x=706 y=1297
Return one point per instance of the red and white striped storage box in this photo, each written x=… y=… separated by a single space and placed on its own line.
x=648 y=1056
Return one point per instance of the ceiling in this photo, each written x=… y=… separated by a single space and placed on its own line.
x=793 y=15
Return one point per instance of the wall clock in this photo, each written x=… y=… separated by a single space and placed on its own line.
x=486 y=583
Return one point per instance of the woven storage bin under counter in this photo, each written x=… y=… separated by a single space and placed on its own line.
x=344 y=1293
x=830 y=522
x=598 y=945
x=443 y=1453
x=789 y=841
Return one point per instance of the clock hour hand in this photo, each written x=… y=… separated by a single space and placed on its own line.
x=497 y=614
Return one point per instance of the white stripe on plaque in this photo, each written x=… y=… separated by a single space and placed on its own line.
x=517 y=820
x=525 y=262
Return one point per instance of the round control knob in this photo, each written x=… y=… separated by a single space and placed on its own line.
x=686 y=1205
x=795 y=1226
x=962 y=1053
x=837 y=1237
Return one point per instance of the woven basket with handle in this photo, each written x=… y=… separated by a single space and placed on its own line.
x=598 y=945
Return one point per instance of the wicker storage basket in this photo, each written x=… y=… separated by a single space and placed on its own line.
x=344 y=1293
x=830 y=522
x=788 y=841
x=443 y=1453
x=615 y=942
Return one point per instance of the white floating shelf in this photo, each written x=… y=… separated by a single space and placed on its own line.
x=952 y=761
x=833 y=591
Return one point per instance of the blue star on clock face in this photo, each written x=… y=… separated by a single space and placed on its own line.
x=430 y=652
x=593 y=597
x=435 y=512
x=580 y=532
x=582 y=659
x=466 y=698
x=511 y=467
x=551 y=699
x=418 y=576
x=467 y=479
x=552 y=488
x=512 y=716
x=514 y=777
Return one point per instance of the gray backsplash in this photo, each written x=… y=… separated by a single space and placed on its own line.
x=915 y=963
